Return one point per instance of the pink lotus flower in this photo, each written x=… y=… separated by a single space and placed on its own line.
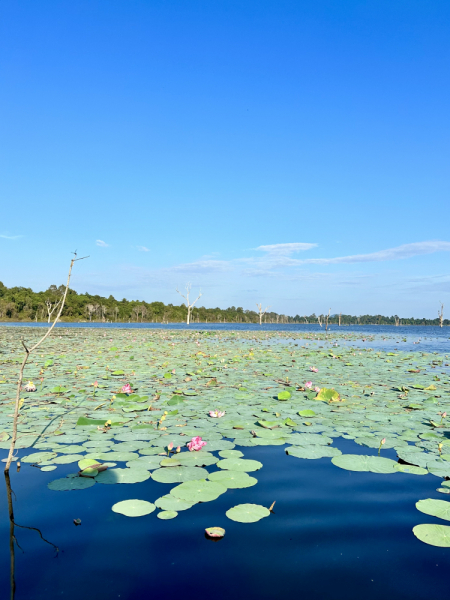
x=173 y=371
x=216 y=414
x=313 y=369
x=95 y=384
x=30 y=387
x=317 y=389
x=308 y=384
x=126 y=389
x=196 y=444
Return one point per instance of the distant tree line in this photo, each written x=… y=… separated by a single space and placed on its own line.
x=22 y=304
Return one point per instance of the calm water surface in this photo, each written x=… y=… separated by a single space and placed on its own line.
x=335 y=535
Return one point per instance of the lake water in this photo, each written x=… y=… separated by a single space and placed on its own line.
x=334 y=534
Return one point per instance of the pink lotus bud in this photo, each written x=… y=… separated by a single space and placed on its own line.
x=444 y=415
x=95 y=383
x=173 y=371
x=178 y=448
x=170 y=446
x=383 y=441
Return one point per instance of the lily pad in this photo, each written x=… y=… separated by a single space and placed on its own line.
x=359 y=462
x=179 y=474
x=233 y=479
x=112 y=476
x=169 y=502
x=239 y=464
x=198 y=491
x=66 y=484
x=434 y=535
x=247 y=513
x=165 y=515
x=435 y=508
x=133 y=508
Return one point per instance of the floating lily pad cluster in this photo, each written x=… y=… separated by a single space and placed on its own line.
x=275 y=389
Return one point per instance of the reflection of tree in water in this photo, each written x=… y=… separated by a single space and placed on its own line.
x=12 y=537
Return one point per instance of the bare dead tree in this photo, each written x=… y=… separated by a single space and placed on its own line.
x=261 y=312
x=28 y=351
x=143 y=312
x=90 y=309
x=326 y=320
x=116 y=312
x=397 y=321
x=188 y=304
x=340 y=315
x=51 y=307
x=319 y=319
x=441 y=316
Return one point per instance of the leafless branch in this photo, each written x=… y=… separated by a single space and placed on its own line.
x=24 y=362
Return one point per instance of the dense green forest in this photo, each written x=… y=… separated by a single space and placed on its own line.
x=22 y=304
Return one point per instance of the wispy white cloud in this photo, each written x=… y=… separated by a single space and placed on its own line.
x=201 y=266
x=142 y=249
x=286 y=249
x=10 y=237
x=397 y=253
x=102 y=244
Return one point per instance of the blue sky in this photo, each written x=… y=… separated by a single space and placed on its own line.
x=290 y=153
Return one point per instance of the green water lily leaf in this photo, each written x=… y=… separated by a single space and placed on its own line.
x=198 y=491
x=175 y=400
x=410 y=469
x=52 y=468
x=239 y=464
x=434 y=535
x=39 y=457
x=84 y=463
x=165 y=515
x=66 y=459
x=179 y=474
x=359 y=462
x=230 y=454
x=284 y=395
x=269 y=424
x=312 y=452
x=66 y=484
x=169 y=502
x=112 y=476
x=233 y=479
x=435 y=508
x=89 y=472
x=306 y=413
x=133 y=508
x=328 y=395
x=247 y=513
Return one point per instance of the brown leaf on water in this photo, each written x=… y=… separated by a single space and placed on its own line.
x=272 y=505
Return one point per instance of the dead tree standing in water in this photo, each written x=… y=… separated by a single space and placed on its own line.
x=188 y=304
x=261 y=312
x=441 y=316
